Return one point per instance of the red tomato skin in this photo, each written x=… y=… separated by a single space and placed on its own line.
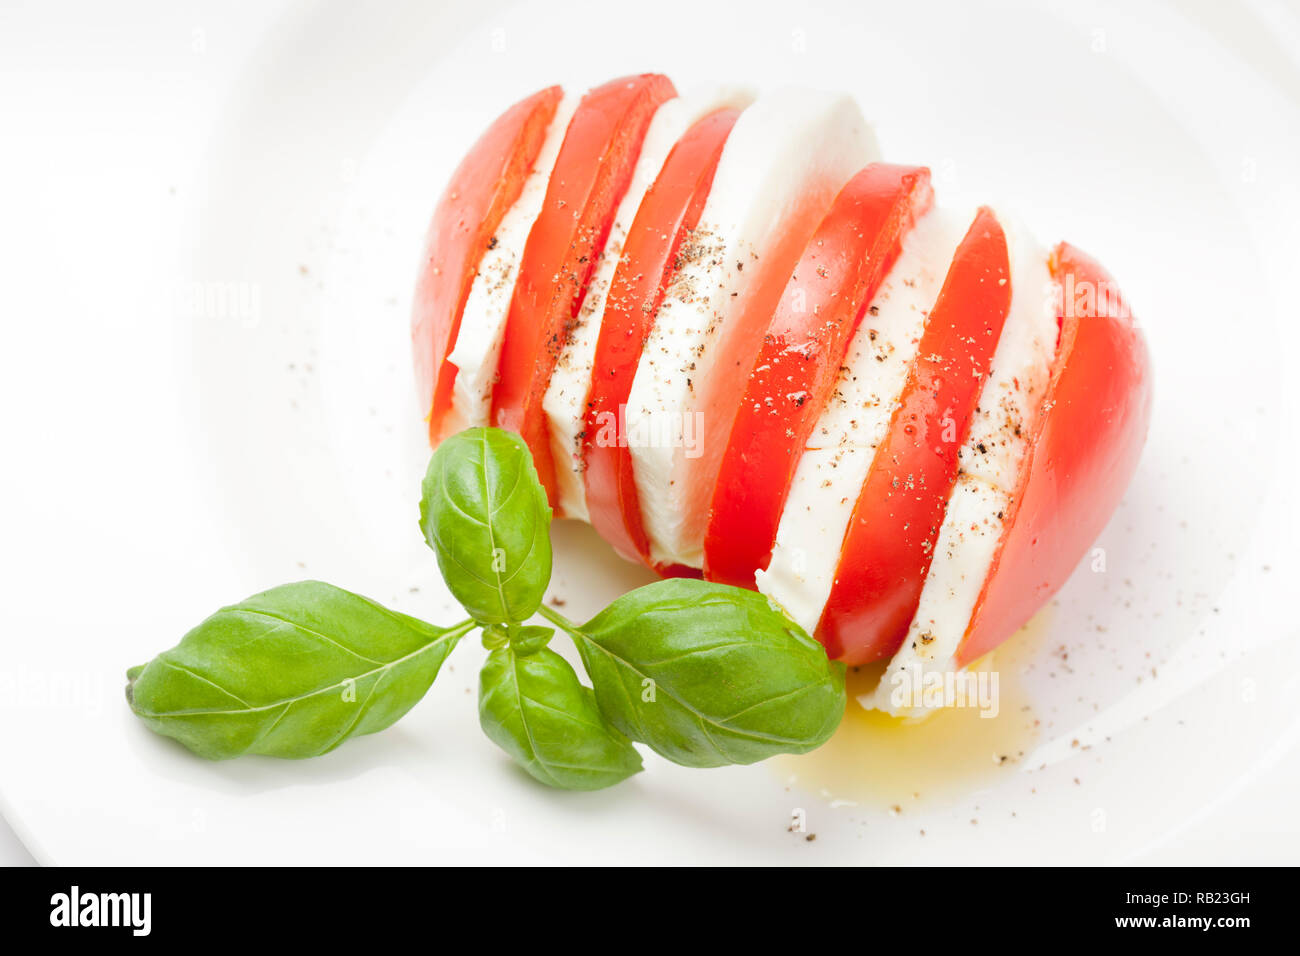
x=890 y=537
x=834 y=281
x=591 y=175
x=1085 y=450
x=484 y=186
x=670 y=210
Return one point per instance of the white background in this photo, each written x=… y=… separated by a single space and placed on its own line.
x=155 y=468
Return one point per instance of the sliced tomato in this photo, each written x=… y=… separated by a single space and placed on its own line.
x=890 y=537
x=802 y=351
x=1085 y=449
x=591 y=175
x=670 y=210
x=739 y=340
x=484 y=186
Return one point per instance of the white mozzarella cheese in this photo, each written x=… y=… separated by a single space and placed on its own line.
x=565 y=401
x=990 y=458
x=1009 y=401
x=788 y=151
x=483 y=323
x=843 y=443
x=963 y=553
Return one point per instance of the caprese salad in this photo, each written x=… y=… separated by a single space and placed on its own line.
x=743 y=347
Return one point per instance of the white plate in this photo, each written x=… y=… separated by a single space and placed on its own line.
x=207 y=384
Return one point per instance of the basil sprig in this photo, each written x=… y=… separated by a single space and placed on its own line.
x=704 y=674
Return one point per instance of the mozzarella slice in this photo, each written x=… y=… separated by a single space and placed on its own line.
x=788 y=155
x=565 y=401
x=855 y=420
x=999 y=436
x=483 y=323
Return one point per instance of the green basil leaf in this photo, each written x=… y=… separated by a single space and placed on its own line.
x=485 y=515
x=291 y=672
x=535 y=709
x=708 y=674
x=528 y=639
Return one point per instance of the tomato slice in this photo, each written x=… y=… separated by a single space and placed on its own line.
x=591 y=174
x=670 y=210
x=1085 y=449
x=835 y=280
x=484 y=186
x=891 y=534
